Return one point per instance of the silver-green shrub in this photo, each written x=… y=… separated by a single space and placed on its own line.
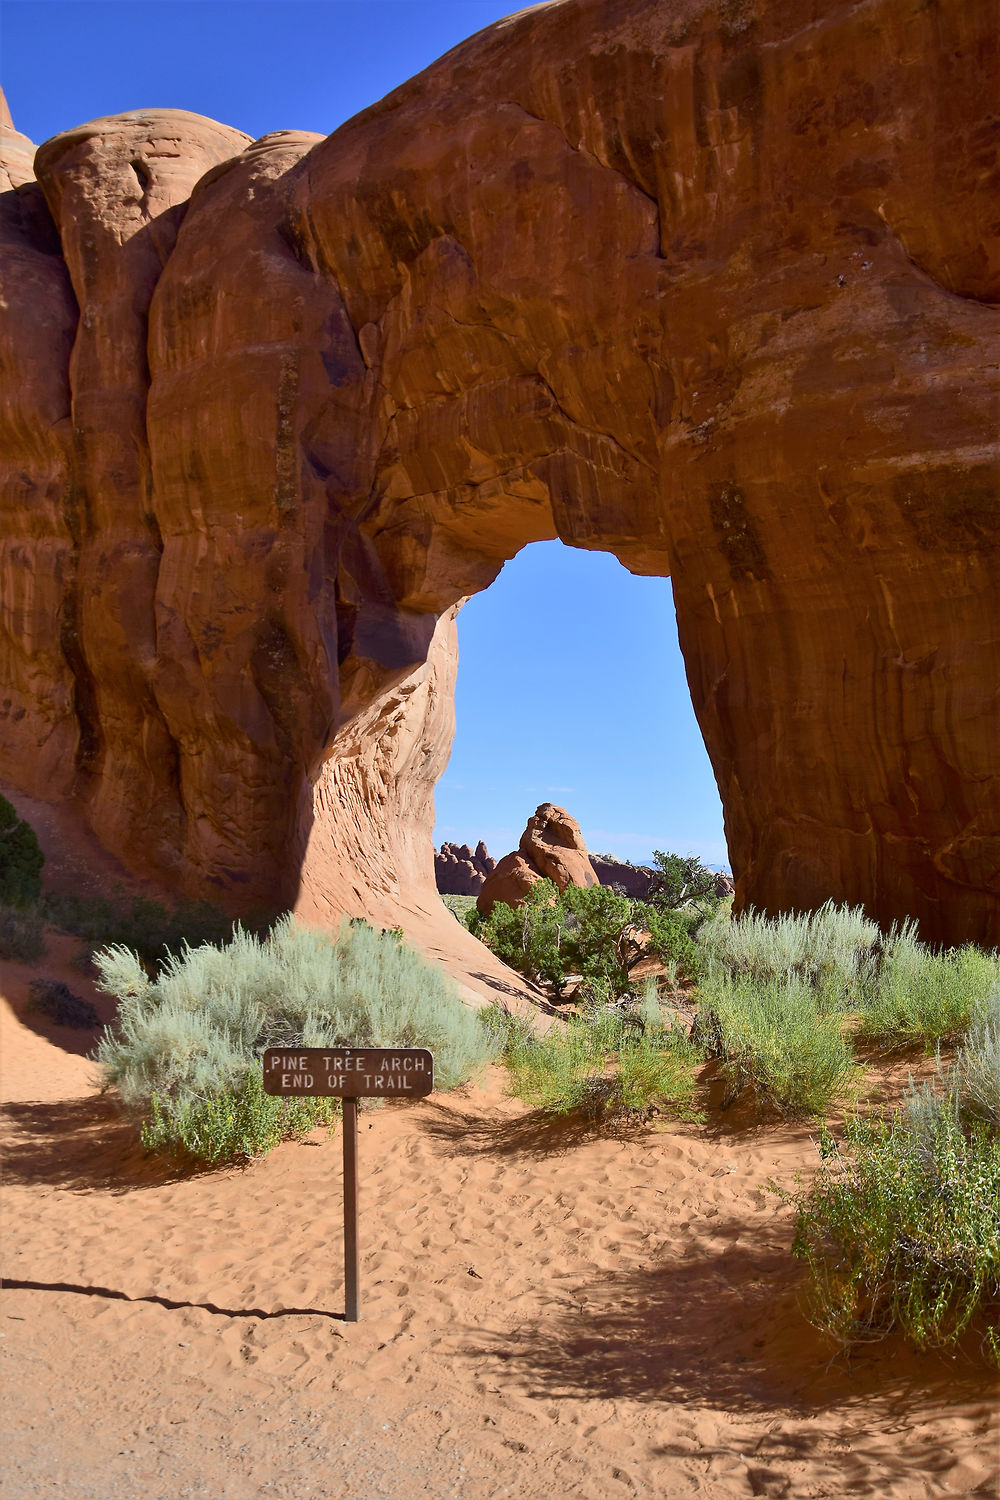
x=918 y=995
x=976 y=1073
x=774 y=1040
x=906 y=992
x=970 y=1088
x=831 y=948
x=190 y=1037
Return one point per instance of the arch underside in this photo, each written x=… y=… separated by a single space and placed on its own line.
x=693 y=292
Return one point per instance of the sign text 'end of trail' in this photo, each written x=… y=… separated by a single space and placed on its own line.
x=349 y=1072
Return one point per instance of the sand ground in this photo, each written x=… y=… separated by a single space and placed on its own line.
x=545 y=1313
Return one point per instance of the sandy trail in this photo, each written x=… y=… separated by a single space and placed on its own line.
x=545 y=1313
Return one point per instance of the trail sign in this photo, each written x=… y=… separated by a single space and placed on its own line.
x=349 y=1074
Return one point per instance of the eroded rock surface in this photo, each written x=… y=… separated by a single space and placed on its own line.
x=551 y=848
x=460 y=870
x=712 y=286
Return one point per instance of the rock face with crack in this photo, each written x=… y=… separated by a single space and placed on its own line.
x=709 y=284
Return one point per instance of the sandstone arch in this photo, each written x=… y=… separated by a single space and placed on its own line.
x=711 y=286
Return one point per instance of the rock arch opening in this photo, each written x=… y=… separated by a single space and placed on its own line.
x=639 y=274
x=571 y=689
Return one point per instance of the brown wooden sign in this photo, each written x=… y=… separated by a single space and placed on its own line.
x=349 y=1072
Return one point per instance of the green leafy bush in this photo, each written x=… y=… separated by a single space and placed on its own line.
x=917 y=995
x=22 y=934
x=595 y=932
x=680 y=879
x=901 y=1230
x=609 y=1067
x=774 y=1039
x=191 y=1037
x=21 y=859
x=238 y=1123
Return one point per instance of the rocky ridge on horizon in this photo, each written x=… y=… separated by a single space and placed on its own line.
x=460 y=870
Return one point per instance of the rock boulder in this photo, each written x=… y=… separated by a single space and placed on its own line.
x=551 y=848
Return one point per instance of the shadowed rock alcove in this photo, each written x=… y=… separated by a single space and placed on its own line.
x=711 y=287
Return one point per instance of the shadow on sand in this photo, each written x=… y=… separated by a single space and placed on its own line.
x=532 y=1135
x=716 y=1324
x=12 y=1284
x=80 y=1144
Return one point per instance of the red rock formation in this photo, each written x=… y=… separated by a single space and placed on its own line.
x=710 y=284
x=460 y=870
x=38 y=725
x=634 y=880
x=551 y=848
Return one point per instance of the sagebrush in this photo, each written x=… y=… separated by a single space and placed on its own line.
x=189 y=1038
x=904 y=991
x=920 y=996
x=775 y=1041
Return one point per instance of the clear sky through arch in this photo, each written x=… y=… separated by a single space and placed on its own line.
x=571 y=686
x=571 y=689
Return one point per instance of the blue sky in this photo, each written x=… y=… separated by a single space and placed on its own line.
x=571 y=689
x=571 y=685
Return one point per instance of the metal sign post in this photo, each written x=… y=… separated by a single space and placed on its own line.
x=349 y=1074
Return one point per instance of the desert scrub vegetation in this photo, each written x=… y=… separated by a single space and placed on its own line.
x=614 y=1065
x=781 y=1002
x=829 y=949
x=596 y=934
x=184 y=1050
x=974 y=1079
x=776 y=1042
x=970 y=1084
x=22 y=934
x=147 y=927
x=904 y=991
x=900 y=1230
x=918 y=996
x=55 y=1000
x=460 y=906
